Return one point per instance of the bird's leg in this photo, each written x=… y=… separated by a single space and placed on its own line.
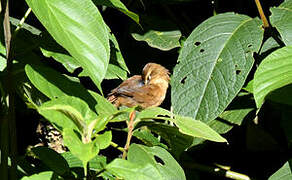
x=130 y=133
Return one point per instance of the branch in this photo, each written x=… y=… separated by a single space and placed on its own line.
x=262 y=14
x=130 y=133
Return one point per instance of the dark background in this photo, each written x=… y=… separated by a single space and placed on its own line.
x=250 y=151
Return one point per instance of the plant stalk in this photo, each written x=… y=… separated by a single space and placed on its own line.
x=9 y=115
x=262 y=14
x=130 y=133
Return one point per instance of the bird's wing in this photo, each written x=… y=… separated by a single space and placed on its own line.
x=128 y=87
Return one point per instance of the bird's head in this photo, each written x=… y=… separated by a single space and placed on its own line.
x=155 y=74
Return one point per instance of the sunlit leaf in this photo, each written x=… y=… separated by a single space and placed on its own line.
x=274 y=72
x=80 y=29
x=281 y=18
x=213 y=65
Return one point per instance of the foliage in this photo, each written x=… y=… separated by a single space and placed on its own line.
x=229 y=71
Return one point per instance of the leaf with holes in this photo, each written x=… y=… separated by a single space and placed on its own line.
x=213 y=65
x=159 y=158
x=79 y=28
x=274 y=72
x=281 y=18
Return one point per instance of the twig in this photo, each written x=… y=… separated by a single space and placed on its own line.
x=117 y=146
x=262 y=14
x=22 y=20
x=217 y=171
x=130 y=133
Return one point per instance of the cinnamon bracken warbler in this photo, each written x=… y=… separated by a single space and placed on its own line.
x=146 y=90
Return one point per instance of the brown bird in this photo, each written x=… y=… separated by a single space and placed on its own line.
x=147 y=90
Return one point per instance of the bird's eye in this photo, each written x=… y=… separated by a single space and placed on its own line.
x=149 y=78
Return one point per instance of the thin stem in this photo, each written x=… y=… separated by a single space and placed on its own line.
x=217 y=171
x=22 y=20
x=117 y=146
x=262 y=14
x=130 y=133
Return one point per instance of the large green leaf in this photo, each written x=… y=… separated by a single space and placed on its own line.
x=117 y=67
x=159 y=158
x=284 y=173
x=274 y=72
x=195 y=128
x=79 y=28
x=281 y=18
x=213 y=65
x=118 y=5
x=55 y=85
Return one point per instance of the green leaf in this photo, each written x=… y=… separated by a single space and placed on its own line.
x=118 y=5
x=68 y=111
x=158 y=33
x=152 y=112
x=117 y=67
x=52 y=159
x=284 y=173
x=159 y=158
x=177 y=141
x=233 y=117
x=148 y=138
x=80 y=29
x=97 y=163
x=281 y=18
x=195 y=128
x=104 y=140
x=103 y=106
x=186 y=125
x=274 y=72
x=132 y=171
x=55 y=85
x=84 y=152
x=213 y=65
x=115 y=72
x=47 y=175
